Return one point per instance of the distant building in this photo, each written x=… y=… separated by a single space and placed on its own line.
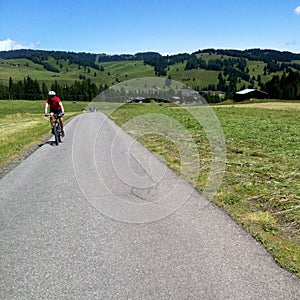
x=191 y=97
x=248 y=94
x=175 y=99
x=137 y=100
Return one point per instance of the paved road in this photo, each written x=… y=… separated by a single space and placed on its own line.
x=85 y=237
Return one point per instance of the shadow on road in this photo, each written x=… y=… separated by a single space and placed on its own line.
x=51 y=143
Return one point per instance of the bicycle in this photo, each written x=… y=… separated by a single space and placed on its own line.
x=56 y=128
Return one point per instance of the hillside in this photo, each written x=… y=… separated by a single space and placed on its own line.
x=217 y=70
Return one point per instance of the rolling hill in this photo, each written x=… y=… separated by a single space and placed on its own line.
x=209 y=69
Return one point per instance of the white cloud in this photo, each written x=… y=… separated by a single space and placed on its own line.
x=297 y=10
x=9 y=44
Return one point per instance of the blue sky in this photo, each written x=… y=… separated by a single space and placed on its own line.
x=119 y=26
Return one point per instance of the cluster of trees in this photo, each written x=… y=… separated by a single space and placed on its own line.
x=160 y=64
x=275 y=60
x=286 y=87
x=128 y=57
x=29 y=89
x=225 y=65
x=236 y=67
x=231 y=71
x=273 y=67
x=255 y=54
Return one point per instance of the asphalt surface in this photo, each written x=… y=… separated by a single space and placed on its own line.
x=99 y=217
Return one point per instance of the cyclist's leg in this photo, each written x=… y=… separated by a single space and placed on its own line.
x=52 y=118
x=61 y=124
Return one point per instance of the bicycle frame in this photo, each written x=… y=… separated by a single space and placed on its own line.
x=56 y=129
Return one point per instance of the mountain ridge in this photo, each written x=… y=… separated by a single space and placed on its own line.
x=252 y=53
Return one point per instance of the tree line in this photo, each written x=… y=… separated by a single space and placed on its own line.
x=285 y=87
x=30 y=89
x=265 y=55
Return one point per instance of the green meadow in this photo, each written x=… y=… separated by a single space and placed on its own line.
x=261 y=184
x=113 y=72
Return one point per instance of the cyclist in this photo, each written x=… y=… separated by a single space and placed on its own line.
x=56 y=108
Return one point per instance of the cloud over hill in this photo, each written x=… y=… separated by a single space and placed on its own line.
x=8 y=44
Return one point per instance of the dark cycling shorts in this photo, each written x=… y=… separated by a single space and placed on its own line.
x=56 y=112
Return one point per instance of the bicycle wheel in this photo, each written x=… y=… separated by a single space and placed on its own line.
x=56 y=134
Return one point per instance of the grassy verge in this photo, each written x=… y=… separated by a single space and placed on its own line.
x=261 y=185
x=22 y=124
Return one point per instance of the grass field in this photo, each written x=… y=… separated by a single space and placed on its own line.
x=113 y=72
x=125 y=70
x=18 y=69
x=199 y=77
x=261 y=184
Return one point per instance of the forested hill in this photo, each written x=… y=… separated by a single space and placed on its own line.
x=276 y=60
x=81 y=58
x=91 y=58
x=217 y=70
x=256 y=54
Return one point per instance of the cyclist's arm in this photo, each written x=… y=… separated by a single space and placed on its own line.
x=62 y=108
x=46 y=108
